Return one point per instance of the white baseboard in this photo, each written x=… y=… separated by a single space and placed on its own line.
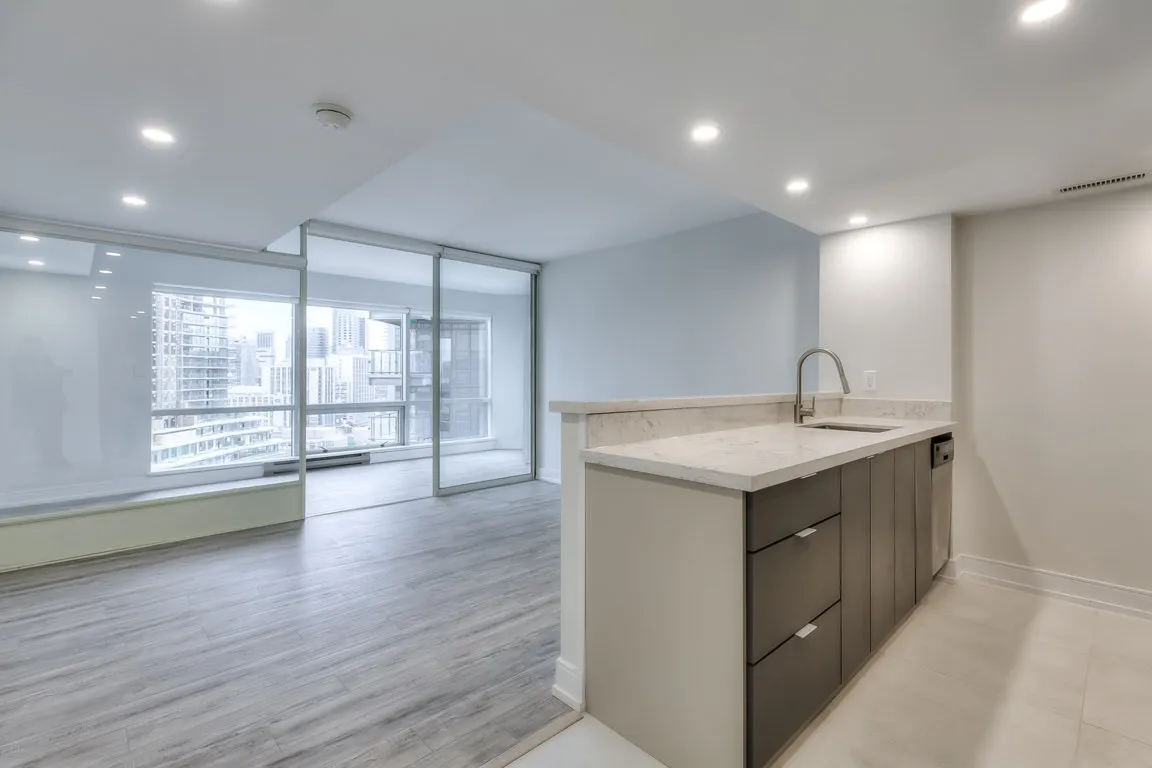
x=1077 y=589
x=569 y=687
x=548 y=475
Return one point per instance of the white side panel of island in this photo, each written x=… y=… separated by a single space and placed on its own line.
x=665 y=616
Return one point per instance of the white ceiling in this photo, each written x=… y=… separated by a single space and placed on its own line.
x=336 y=257
x=516 y=182
x=895 y=108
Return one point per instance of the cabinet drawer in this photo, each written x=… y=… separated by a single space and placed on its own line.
x=789 y=687
x=789 y=583
x=782 y=510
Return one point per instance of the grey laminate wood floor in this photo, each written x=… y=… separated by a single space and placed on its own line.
x=420 y=634
x=368 y=485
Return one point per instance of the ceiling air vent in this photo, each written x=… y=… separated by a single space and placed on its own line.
x=1090 y=186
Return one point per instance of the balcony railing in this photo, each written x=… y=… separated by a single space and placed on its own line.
x=385 y=363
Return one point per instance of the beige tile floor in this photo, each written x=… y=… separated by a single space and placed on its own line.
x=587 y=744
x=985 y=676
x=978 y=677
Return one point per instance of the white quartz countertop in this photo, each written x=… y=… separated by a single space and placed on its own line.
x=675 y=403
x=752 y=458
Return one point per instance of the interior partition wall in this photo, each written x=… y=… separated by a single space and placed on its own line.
x=139 y=369
x=420 y=365
x=135 y=369
x=485 y=340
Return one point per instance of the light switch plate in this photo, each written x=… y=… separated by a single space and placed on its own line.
x=869 y=381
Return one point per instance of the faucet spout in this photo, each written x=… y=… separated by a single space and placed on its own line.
x=799 y=411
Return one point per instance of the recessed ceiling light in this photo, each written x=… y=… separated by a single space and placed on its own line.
x=139 y=311
x=705 y=133
x=134 y=200
x=35 y=263
x=798 y=186
x=133 y=317
x=105 y=271
x=858 y=219
x=1042 y=10
x=111 y=253
x=157 y=135
x=100 y=287
x=30 y=238
x=97 y=298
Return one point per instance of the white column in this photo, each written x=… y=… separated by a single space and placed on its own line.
x=569 y=686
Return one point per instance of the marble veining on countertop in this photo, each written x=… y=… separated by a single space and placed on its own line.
x=752 y=458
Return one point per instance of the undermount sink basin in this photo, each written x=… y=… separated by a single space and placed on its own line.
x=848 y=427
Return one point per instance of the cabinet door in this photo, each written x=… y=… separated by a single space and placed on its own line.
x=855 y=541
x=905 y=514
x=790 y=685
x=923 y=518
x=789 y=583
x=883 y=546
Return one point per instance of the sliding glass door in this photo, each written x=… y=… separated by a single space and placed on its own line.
x=418 y=369
x=368 y=375
x=484 y=403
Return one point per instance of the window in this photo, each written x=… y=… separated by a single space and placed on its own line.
x=464 y=374
x=222 y=380
x=370 y=378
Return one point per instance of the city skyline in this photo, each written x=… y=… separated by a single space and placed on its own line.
x=213 y=352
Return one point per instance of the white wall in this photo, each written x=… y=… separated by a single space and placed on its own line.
x=886 y=306
x=717 y=310
x=77 y=373
x=1055 y=331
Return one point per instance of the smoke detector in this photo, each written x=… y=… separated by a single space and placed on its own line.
x=333 y=116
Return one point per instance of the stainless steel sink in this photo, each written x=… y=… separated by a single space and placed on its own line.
x=848 y=427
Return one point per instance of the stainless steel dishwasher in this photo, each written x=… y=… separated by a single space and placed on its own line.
x=943 y=452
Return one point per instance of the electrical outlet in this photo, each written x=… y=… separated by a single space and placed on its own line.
x=869 y=381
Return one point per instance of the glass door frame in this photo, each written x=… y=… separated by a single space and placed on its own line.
x=332 y=231
x=500 y=262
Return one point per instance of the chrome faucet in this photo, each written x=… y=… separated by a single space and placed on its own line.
x=799 y=411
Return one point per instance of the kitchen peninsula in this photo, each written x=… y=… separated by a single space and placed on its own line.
x=737 y=579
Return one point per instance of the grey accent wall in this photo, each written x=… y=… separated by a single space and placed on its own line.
x=717 y=310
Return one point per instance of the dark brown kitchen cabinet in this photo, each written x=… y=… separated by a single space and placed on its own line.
x=905 y=530
x=882 y=570
x=856 y=537
x=923 y=470
x=834 y=562
x=791 y=684
x=779 y=511
x=789 y=583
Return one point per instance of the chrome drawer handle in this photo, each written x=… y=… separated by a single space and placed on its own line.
x=805 y=533
x=807 y=630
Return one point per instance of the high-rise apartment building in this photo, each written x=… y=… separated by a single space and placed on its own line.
x=321 y=384
x=319 y=342
x=351 y=373
x=278 y=379
x=244 y=368
x=194 y=363
x=349 y=331
x=191 y=353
